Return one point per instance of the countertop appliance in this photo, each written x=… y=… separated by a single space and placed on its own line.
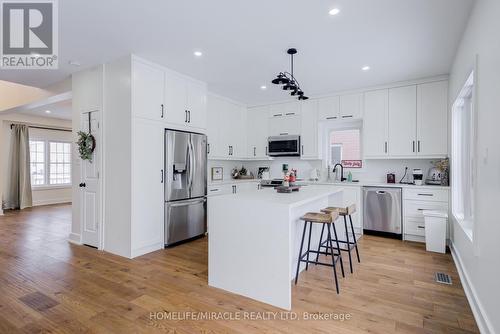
x=382 y=214
x=185 y=186
x=434 y=176
x=418 y=175
x=271 y=183
x=284 y=146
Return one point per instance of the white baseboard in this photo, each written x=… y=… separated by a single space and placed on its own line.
x=482 y=320
x=51 y=201
x=147 y=249
x=75 y=238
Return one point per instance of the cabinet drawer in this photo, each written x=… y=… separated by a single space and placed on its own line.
x=415 y=208
x=222 y=189
x=414 y=226
x=425 y=194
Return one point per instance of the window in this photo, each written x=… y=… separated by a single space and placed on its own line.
x=37 y=162
x=462 y=159
x=60 y=163
x=50 y=163
x=345 y=148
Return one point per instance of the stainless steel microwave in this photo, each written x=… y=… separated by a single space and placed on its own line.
x=284 y=146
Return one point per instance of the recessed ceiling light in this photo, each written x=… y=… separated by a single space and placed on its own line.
x=334 y=11
x=198 y=53
x=47 y=111
x=263 y=87
x=365 y=68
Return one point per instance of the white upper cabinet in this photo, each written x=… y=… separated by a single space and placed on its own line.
x=148 y=83
x=375 y=123
x=350 y=106
x=309 y=130
x=402 y=121
x=432 y=119
x=282 y=126
x=257 y=131
x=185 y=101
x=213 y=120
x=329 y=108
x=284 y=109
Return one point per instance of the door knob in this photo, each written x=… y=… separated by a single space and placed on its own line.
x=82 y=185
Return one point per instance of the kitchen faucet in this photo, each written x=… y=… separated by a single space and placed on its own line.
x=342 y=178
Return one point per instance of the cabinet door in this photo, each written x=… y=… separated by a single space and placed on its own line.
x=375 y=123
x=175 y=99
x=213 y=127
x=309 y=130
x=352 y=195
x=287 y=125
x=147 y=182
x=256 y=129
x=197 y=104
x=148 y=84
x=329 y=108
x=291 y=108
x=402 y=121
x=432 y=119
x=350 y=106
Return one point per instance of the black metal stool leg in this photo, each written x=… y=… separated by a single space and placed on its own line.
x=338 y=248
x=329 y=242
x=300 y=252
x=320 y=241
x=355 y=241
x=348 y=243
x=309 y=244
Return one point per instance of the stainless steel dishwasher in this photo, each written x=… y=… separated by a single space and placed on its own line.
x=382 y=214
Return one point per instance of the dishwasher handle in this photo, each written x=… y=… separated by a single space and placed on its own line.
x=381 y=192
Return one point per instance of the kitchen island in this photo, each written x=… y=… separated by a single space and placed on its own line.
x=254 y=239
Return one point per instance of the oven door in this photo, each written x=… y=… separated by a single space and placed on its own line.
x=284 y=146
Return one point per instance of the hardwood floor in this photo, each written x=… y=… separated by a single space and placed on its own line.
x=48 y=285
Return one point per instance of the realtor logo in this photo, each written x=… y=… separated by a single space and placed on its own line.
x=29 y=37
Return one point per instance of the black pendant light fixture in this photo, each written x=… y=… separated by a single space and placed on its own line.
x=288 y=80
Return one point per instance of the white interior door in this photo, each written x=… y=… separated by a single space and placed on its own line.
x=90 y=184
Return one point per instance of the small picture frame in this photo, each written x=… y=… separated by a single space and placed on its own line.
x=217 y=173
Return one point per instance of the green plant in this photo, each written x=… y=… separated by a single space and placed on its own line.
x=86 y=145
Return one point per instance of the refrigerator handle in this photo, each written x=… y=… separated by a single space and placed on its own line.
x=191 y=164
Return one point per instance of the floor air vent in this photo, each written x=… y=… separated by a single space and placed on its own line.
x=443 y=278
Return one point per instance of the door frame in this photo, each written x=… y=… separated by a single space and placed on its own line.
x=100 y=228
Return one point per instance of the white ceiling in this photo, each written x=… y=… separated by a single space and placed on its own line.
x=244 y=42
x=59 y=110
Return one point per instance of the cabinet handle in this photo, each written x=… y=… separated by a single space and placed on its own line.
x=229 y=150
x=162 y=108
x=332 y=117
x=302 y=150
x=290 y=113
x=208 y=148
x=420 y=209
x=418 y=146
x=214 y=189
x=425 y=194
x=284 y=134
x=189 y=116
x=413 y=146
x=420 y=226
x=385 y=147
x=162 y=176
x=348 y=116
x=266 y=151
x=277 y=115
x=185 y=116
x=254 y=148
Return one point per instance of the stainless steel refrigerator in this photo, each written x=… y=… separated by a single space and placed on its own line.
x=185 y=186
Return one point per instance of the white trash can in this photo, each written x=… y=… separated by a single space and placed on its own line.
x=435 y=230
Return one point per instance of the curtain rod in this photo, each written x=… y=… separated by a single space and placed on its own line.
x=42 y=127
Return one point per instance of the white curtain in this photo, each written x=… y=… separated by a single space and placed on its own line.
x=19 y=182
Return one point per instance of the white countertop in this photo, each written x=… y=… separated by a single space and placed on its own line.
x=231 y=181
x=306 y=194
x=375 y=184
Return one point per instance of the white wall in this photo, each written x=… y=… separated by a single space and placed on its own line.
x=479 y=259
x=39 y=197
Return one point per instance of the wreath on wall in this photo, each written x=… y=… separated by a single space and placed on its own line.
x=86 y=145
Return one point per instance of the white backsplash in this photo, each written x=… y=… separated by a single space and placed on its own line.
x=372 y=171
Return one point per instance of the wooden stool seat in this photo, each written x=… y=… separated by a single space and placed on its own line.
x=323 y=218
x=342 y=211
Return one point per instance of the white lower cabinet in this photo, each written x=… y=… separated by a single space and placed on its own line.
x=352 y=195
x=415 y=201
x=232 y=188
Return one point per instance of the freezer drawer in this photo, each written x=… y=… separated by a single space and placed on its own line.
x=185 y=220
x=382 y=210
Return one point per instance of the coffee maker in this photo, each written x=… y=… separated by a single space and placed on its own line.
x=418 y=176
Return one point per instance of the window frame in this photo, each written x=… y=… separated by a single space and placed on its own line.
x=468 y=93
x=47 y=185
x=330 y=127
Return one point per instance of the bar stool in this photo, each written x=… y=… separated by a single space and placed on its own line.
x=325 y=219
x=344 y=212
